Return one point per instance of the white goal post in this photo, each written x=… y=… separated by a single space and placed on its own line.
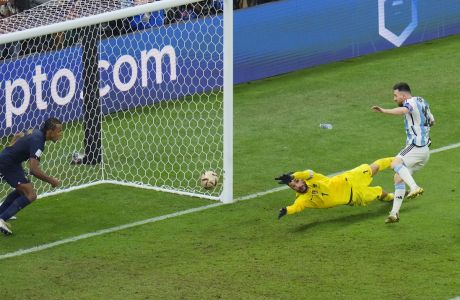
x=144 y=88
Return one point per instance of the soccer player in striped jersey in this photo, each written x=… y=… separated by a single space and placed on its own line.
x=418 y=120
x=314 y=190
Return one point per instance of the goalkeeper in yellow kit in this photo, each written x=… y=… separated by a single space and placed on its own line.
x=314 y=190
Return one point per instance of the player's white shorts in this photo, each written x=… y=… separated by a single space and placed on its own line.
x=414 y=157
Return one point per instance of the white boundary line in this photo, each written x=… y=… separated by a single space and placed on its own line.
x=448 y=147
x=160 y=218
x=105 y=231
x=131 y=184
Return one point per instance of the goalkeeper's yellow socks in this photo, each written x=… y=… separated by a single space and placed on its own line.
x=383 y=163
x=388 y=198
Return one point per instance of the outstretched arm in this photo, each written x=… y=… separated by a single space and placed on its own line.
x=308 y=175
x=299 y=205
x=285 y=178
x=391 y=111
x=34 y=165
x=288 y=177
x=304 y=175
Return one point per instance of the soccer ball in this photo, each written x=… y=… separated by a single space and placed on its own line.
x=209 y=180
x=77 y=158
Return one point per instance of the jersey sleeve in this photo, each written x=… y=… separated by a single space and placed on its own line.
x=36 y=148
x=309 y=175
x=430 y=116
x=408 y=105
x=432 y=120
x=304 y=175
x=300 y=203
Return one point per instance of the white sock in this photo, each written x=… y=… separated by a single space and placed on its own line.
x=405 y=175
x=400 y=191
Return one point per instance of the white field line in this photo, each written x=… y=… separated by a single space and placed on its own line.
x=160 y=218
x=448 y=147
x=105 y=231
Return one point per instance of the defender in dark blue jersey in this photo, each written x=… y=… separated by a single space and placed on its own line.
x=27 y=148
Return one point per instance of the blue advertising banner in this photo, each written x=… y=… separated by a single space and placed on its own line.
x=141 y=68
x=38 y=86
x=289 y=35
x=182 y=59
x=163 y=64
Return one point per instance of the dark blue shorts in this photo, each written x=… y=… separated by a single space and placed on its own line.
x=13 y=175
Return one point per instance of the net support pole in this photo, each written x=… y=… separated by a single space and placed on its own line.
x=91 y=100
x=227 y=191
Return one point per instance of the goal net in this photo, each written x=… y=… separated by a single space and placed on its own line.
x=138 y=84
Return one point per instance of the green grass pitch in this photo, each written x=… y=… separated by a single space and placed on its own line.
x=241 y=251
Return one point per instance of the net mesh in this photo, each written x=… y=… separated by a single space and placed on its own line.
x=141 y=97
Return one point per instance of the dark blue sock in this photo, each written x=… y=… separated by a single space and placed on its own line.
x=18 y=204
x=8 y=200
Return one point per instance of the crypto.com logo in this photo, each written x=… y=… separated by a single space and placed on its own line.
x=397 y=40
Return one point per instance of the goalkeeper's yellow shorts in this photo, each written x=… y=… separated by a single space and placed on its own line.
x=360 y=178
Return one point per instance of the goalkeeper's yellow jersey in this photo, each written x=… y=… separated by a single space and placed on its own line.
x=323 y=192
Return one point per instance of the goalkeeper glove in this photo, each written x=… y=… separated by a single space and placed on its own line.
x=282 y=213
x=285 y=178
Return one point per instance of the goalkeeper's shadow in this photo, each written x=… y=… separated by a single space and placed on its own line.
x=382 y=211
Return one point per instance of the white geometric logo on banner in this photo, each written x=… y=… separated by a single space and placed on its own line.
x=397 y=40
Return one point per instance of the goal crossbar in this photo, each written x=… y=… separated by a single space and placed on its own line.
x=90 y=20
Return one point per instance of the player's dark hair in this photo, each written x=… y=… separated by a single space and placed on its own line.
x=402 y=87
x=50 y=124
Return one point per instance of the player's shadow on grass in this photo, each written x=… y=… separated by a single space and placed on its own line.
x=380 y=212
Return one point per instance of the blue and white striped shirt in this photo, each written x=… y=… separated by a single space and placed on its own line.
x=418 y=121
